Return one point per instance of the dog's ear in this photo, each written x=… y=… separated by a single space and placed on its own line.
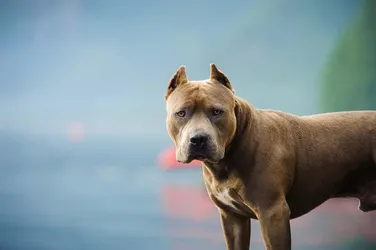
x=178 y=78
x=216 y=74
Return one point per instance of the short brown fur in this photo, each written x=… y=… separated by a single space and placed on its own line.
x=272 y=166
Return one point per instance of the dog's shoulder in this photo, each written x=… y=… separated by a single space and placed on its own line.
x=275 y=120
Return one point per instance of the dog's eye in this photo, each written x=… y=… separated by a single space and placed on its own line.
x=180 y=113
x=216 y=112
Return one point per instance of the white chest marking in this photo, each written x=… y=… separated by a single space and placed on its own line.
x=225 y=198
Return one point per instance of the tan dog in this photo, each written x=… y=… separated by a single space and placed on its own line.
x=265 y=164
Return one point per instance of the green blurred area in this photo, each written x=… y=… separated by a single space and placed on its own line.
x=349 y=78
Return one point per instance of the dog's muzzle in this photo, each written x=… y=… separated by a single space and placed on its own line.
x=199 y=146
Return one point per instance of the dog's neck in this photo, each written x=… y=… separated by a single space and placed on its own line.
x=246 y=116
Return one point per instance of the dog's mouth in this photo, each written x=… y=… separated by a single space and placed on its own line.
x=203 y=155
x=200 y=157
x=192 y=157
x=204 y=158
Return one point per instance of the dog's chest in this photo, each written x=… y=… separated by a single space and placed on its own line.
x=226 y=192
x=223 y=196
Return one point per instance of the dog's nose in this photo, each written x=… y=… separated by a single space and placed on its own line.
x=198 y=140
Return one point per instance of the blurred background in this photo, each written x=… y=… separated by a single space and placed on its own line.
x=85 y=158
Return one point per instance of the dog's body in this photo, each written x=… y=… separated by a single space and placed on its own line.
x=269 y=165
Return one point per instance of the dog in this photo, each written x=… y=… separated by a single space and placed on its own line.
x=266 y=164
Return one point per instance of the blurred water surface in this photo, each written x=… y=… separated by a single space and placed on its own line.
x=108 y=195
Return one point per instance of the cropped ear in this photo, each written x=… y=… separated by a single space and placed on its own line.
x=216 y=74
x=178 y=78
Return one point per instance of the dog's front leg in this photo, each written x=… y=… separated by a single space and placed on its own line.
x=236 y=230
x=275 y=226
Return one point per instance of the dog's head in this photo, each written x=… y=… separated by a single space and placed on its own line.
x=200 y=115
